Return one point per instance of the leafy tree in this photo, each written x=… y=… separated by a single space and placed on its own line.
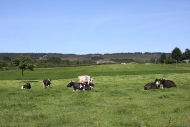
x=170 y=60
x=176 y=54
x=3 y=64
x=6 y=58
x=163 y=57
x=23 y=63
x=187 y=54
x=54 y=60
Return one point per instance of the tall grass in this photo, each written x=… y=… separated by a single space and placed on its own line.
x=118 y=98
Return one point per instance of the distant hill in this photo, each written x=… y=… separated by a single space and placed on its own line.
x=137 y=56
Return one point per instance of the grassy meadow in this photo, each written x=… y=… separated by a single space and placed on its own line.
x=117 y=100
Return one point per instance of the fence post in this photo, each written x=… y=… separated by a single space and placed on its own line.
x=164 y=63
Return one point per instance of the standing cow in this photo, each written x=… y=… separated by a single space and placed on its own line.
x=46 y=83
x=85 y=79
x=26 y=86
x=167 y=83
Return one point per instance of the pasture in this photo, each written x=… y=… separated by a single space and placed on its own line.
x=117 y=100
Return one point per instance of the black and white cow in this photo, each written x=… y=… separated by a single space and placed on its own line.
x=26 y=86
x=80 y=86
x=167 y=83
x=76 y=86
x=46 y=83
x=87 y=87
x=152 y=85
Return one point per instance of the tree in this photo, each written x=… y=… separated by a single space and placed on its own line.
x=3 y=64
x=54 y=60
x=176 y=54
x=187 y=54
x=23 y=63
x=6 y=58
x=163 y=58
x=170 y=60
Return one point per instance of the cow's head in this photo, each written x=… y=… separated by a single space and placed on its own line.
x=91 y=79
x=28 y=84
x=162 y=80
x=71 y=83
x=91 y=84
x=157 y=82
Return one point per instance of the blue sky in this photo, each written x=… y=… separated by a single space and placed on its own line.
x=94 y=26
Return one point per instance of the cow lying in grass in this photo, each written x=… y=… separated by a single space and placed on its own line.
x=46 y=83
x=88 y=87
x=167 y=83
x=26 y=86
x=152 y=85
x=80 y=86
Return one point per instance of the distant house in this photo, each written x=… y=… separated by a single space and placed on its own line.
x=104 y=61
x=186 y=61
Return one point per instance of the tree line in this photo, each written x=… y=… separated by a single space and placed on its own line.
x=7 y=62
x=176 y=56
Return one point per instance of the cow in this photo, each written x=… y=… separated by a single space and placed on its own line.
x=80 y=86
x=152 y=85
x=76 y=86
x=46 y=83
x=167 y=83
x=85 y=79
x=26 y=86
x=87 y=87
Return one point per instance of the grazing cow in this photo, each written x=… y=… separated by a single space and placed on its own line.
x=46 y=83
x=167 y=83
x=26 y=86
x=85 y=79
x=152 y=85
x=76 y=86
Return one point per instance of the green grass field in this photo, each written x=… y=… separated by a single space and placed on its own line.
x=117 y=100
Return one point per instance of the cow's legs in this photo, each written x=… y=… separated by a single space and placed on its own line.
x=84 y=87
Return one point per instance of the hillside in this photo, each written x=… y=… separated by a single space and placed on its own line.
x=41 y=56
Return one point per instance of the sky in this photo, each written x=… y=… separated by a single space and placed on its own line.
x=94 y=26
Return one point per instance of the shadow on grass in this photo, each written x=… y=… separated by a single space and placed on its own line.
x=32 y=81
x=28 y=81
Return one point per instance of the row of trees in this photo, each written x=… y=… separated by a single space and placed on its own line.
x=176 y=56
x=25 y=62
x=7 y=63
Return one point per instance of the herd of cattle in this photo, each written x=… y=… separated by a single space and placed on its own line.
x=85 y=82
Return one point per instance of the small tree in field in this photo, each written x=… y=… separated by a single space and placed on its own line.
x=23 y=63
x=176 y=54
x=163 y=58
